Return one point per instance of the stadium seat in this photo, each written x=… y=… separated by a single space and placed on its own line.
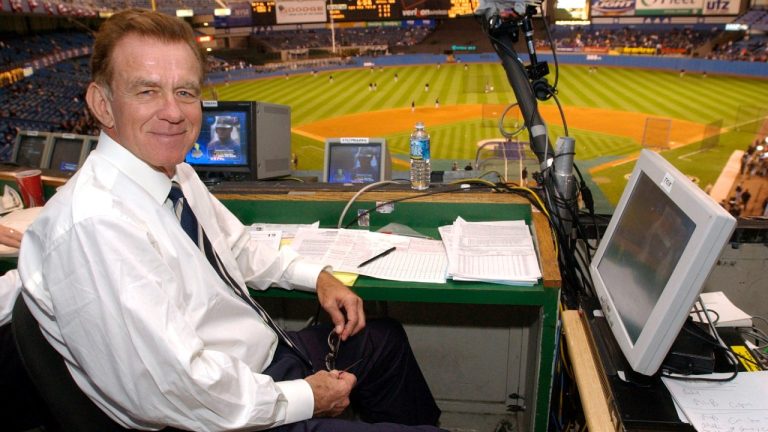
x=71 y=408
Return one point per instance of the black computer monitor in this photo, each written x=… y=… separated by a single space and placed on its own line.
x=66 y=152
x=356 y=160
x=30 y=149
x=242 y=140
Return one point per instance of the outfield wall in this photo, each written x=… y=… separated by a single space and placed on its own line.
x=691 y=65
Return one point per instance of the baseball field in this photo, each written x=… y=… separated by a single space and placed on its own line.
x=696 y=121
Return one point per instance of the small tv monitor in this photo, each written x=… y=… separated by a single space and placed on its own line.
x=243 y=140
x=660 y=246
x=356 y=160
x=66 y=153
x=90 y=145
x=30 y=149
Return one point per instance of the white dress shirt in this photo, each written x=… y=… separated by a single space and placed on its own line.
x=10 y=285
x=148 y=329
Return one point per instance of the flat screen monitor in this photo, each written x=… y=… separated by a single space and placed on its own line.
x=242 y=140
x=30 y=149
x=66 y=153
x=356 y=160
x=659 y=248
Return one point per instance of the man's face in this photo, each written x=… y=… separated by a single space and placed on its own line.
x=155 y=100
x=224 y=133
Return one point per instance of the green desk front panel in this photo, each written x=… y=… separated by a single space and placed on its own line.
x=533 y=307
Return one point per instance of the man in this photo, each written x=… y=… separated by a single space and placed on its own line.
x=150 y=330
x=224 y=145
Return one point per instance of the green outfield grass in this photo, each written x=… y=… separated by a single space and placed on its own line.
x=657 y=93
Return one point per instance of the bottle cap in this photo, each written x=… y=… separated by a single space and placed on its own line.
x=419 y=125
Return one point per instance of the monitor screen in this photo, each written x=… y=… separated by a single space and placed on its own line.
x=91 y=144
x=31 y=149
x=356 y=160
x=223 y=140
x=65 y=155
x=659 y=248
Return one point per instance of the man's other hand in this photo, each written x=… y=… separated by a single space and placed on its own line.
x=331 y=391
x=338 y=301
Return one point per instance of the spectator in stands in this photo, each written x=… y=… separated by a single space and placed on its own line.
x=745 y=196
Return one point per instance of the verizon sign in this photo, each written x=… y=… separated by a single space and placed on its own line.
x=669 y=7
x=299 y=11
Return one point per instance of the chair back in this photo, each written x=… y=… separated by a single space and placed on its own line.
x=70 y=407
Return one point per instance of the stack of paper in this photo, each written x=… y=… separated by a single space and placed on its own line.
x=500 y=252
x=414 y=260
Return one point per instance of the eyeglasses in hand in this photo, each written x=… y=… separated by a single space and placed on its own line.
x=334 y=343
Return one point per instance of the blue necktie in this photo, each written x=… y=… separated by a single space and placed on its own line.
x=195 y=232
x=184 y=213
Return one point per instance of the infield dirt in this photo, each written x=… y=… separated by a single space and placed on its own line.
x=386 y=122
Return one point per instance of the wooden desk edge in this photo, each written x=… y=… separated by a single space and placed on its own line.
x=583 y=362
x=550 y=270
x=344 y=195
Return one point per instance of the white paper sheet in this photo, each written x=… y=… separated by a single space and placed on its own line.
x=740 y=405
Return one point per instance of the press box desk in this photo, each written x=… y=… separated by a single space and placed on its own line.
x=476 y=342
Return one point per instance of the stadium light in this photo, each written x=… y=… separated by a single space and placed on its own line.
x=185 y=13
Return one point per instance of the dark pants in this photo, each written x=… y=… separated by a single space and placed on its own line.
x=21 y=407
x=391 y=393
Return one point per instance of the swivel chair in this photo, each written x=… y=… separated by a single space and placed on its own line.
x=71 y=408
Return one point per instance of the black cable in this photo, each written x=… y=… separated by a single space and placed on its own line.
x=552 y=47
x=562 y=113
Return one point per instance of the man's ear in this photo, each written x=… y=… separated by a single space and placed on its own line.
x=98 y=102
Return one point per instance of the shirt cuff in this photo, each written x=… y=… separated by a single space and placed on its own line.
x=300 y=400
x=303 y=274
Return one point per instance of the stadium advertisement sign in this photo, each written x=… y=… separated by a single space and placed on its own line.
x=613 y=7
x=299 y=11
x=669 y=7
x=721 y=7
x=240 y=16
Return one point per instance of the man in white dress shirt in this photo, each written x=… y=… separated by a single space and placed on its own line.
x=149 y=330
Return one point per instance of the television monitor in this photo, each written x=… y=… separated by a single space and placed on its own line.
x=356 y=160
x=90 y=145
x=242 y=141
x=66 y=152
x=30 y=149
x=659 y=247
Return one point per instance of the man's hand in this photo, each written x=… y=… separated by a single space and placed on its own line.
x=334 y=297
x=331 y=391
x=9 y=236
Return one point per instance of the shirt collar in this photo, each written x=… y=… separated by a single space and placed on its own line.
x=157 y=184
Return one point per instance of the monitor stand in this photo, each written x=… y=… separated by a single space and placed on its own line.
x=640 y=402
x=693 y=351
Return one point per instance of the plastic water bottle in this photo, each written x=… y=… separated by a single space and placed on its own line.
x=420 y=165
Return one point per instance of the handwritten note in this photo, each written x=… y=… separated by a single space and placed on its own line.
x=740 y=405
